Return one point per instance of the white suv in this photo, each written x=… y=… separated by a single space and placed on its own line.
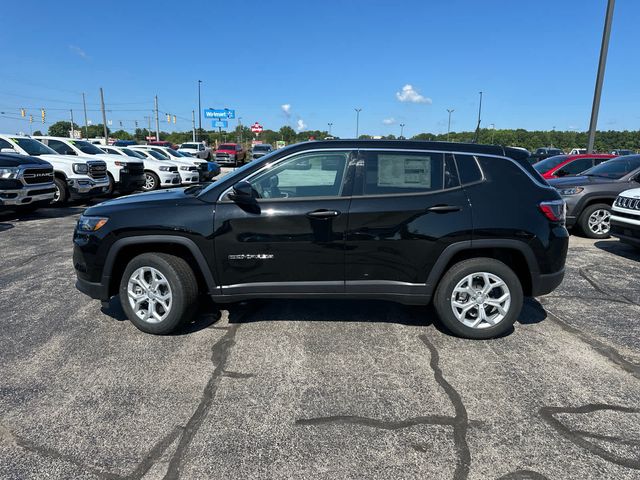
x=188 y=171
x=625 y=217
x=206 y=174
x=196 y=149
x=126 y=176
x=157 y=173
x=74 y=177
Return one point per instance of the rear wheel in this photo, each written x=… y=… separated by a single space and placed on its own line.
x=158 y=292
x=151 y=181
x=595 y=221
x=61 y=194
x=479 y=298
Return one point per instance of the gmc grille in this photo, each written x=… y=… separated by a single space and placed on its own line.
x=629 y=203
x=37 y=175
x=97 y=170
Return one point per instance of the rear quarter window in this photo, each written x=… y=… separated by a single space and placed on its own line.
x=468 y=169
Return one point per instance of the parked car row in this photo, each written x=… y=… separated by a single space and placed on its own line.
x=39 y=170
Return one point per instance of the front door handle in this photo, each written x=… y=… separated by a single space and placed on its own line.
x=323 y=214
x=444 y=208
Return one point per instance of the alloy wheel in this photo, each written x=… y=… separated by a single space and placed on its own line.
x=56 y=194
x=149 y=182
x=149 y=294
x=480 y=300
x=600 y=221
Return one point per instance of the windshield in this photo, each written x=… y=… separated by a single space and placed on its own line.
x=172 y=152
x=130 y=153
x=183 y=154
x=227 y=147
x=33 y=147
x=86 y=147
x=615 y=168
x=158 y=155
x=262 y=147
x=190 y=145
x=548 y=163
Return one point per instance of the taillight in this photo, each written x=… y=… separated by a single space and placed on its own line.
x=554 y=210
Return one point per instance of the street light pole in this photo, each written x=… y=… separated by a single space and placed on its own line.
x=199 y=112
x=401 y=130
x=450 y=111
x=330 y=125
x=493 y=131
x=604 y=48
x=358 y=110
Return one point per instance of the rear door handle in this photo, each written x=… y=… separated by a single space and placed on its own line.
x=323 y=214
x=444 y=208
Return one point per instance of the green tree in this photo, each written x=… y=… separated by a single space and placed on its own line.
x=122 y=135
x=38 y=132
x=61 y=129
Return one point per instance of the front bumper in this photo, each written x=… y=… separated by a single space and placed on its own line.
x=545 y=283
x=169 y=179
x=189 y=177
x=27 y=195
x=83 y=187
x=626 y=228
x=226 y=160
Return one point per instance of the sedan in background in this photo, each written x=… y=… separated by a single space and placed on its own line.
x=568 y=165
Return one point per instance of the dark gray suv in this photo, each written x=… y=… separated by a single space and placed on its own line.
x=589 y=196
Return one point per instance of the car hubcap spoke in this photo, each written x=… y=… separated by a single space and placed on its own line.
x=480 y=300
x=149 y=294
x=599 y=221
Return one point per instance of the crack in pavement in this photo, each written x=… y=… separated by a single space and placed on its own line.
x=585 y=273
x=523 y=475
x=382 y=424
x=230 y=374
x=547 y=413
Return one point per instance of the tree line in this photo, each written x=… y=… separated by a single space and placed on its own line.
x=530 y=139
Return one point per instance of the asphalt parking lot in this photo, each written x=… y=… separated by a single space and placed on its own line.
x=314 y=389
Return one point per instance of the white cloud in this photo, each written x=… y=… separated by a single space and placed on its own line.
x=410 y=94
x=389 y=121
x=78 y=51
x=301 y=125
x=286 y=109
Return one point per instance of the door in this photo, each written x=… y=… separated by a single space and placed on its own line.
x=292 y=238
x=407 y=206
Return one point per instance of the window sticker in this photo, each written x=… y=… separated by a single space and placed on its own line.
x=404 y=172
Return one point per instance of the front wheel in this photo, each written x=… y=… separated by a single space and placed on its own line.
x=112 y=185
x=595 y=221
x=479 y=298
x=151 y=182
x=158 y=292
x=61 y=194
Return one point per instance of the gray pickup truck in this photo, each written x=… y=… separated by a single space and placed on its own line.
x=26 y=183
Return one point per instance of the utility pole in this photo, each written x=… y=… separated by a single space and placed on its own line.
x=193 y=124
x=240 y=125
x=401 y=130
x=199 y=111
x=86 y=122
x=330 y=125
x=493 y=131
x=604 y=48
x=475 y=140
x=358 y=110
x=157 y=121
x=450 y=111
x=104 y=118
x=73 y=132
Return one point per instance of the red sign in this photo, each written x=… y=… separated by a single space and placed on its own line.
x=150 y=139
x=256 y=128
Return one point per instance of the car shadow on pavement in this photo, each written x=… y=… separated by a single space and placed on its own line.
x=5 y=226
x=619 y=248
x=41 y=214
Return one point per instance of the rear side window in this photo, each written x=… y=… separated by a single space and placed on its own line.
x=468 y=169
x=576 y=167
x=388 y=173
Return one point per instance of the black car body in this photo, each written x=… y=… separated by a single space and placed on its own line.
x=543 y=153
x=364 y=219
x=589 y=196
x=25 y=182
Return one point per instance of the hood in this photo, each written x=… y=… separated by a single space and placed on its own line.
x=633 y=193
x=159 y=198
x=70 y=158
x=15 y=160
x=579 y=181
x=116 y=158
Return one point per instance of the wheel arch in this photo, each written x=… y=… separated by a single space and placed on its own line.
x=123 y=250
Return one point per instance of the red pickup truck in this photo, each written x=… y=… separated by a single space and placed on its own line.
x=231 y=153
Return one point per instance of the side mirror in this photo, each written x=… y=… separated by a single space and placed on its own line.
x=243 y=193
x=7 y=150
x=562 y=173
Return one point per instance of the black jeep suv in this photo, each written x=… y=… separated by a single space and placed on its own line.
x=473 y=227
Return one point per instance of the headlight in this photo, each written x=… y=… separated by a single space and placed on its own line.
x=120 y=164
x=185 y=168
x=164 y=169
x=80 y=168
x=570 y=191
x=91 y=224
x=9 y=172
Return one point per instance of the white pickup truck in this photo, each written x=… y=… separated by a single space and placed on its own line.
x=74 y=177
x=126 y=176
x=197 y=149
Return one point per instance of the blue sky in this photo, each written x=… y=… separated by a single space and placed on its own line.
x=535 y=61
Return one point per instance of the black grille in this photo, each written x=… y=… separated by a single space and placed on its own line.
x=37 y=175
x=173 y=169
x=97 y=170
x=629 y=203
x=135 y=168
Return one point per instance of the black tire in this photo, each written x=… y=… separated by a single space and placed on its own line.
x=62 y=193
x=456 y=274
x=153 y=178
x=112 y=185
x=598 y=231
x=184 y=291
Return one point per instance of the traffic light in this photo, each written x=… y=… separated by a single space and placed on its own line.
x=23 y=112
x=43 y=115
x=30 y=118
x=168 y=118
x=174 y=119
x=136 y=122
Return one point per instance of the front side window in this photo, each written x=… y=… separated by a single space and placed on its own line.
x=575 y=167
x=305 y=175
x=32 y=147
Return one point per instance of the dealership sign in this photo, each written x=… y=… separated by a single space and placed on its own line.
x=219 y=113
x=220 y=124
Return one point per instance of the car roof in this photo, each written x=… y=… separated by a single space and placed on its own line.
x=590 y=155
